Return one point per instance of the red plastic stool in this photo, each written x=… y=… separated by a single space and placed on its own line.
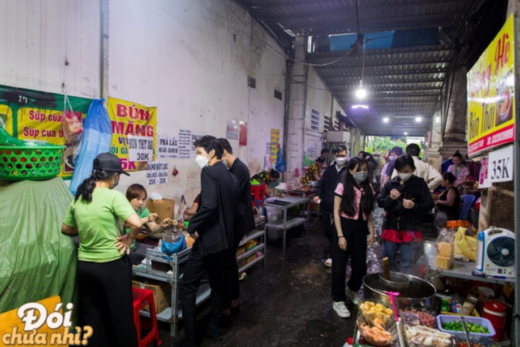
x=141 y=298
x=258 y=195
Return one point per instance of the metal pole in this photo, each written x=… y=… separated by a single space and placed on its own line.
x=516 y=177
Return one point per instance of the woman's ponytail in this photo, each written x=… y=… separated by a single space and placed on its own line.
x=86 y=188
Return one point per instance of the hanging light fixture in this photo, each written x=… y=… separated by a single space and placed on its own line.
x=386 y=120
x=361 y=92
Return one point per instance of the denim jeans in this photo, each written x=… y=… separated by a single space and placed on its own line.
x=408 y=255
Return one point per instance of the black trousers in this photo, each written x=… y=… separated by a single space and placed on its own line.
x=106 y=300
x=196 y=266
x=328 y=225
x=355 y=232
x=233 y=284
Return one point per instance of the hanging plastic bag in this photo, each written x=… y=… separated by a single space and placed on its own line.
x=96 y=139
x=174 y=247
x=465 y=246
x=72 y=126
x=280 y=161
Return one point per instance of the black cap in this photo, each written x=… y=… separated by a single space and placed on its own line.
x=109 y=163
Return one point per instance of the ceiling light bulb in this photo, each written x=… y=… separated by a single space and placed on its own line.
x=438 y=119
x=386 y=120
x=360 y=106
x=361 y=93
x=418 y=119
x=405 y=133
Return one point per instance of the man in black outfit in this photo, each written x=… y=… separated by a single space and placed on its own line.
x=212 y=229
x=328 y=182
x=244 y=221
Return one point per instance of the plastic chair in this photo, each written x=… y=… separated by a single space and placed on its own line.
x=141 y=298
x=258 y=195
x=468 y=201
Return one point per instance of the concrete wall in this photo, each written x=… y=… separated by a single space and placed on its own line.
x=189 y=58
x=44 y=44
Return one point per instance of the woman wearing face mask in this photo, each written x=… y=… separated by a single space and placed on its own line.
x=353 y=218
x=406 y=199
x=104 y=269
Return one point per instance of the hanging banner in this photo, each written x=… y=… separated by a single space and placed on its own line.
x=33 y=115
x=484 y=180
x=275 y=141
x=491 y=94
x=131 y=119
x=232 y=129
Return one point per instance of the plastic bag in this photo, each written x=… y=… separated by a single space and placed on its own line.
x=465 y=246
x=445 y=250
x=174 y=247
x=280 y=161
x=96 y=139
x=72 y=126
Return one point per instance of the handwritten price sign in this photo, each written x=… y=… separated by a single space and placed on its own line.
x=500 y=165
x=140 y=148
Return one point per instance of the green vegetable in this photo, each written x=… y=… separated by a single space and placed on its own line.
x=472 y=328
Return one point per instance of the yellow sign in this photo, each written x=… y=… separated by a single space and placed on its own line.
x=491 y=94
x=275 y=141
x=131 y=119
x=39 y=124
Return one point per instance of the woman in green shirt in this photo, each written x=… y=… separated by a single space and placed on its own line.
x=136 y=194
x=104 y=271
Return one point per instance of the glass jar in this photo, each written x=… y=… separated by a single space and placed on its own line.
x=469 y=305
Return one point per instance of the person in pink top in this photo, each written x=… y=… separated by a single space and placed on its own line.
x=353 y=218
x=460 y=171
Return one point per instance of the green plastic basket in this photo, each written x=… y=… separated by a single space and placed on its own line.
x=40 y=162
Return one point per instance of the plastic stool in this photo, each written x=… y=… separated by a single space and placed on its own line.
x=141 y=298
x=258 y=195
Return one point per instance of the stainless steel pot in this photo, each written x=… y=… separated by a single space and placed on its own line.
x=397 y=282
x=419 y=295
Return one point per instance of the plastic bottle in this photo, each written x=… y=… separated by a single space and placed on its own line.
x=349 y=343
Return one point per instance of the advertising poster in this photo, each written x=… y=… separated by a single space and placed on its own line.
x=131 y=119
x=232 y=129
x=275 y=141
x=37 y=116
x=491 y=94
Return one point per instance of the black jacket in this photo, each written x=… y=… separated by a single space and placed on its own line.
x=327 y=185
x=399 y=218
x=215 y=216
x=244 y=220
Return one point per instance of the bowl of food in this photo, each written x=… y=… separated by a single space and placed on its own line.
x=505 y=101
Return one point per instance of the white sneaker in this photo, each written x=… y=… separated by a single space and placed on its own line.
x=328 y=262
x=341 y=309
x=353 y=296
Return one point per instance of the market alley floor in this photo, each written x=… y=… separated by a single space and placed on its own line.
x=288 y=302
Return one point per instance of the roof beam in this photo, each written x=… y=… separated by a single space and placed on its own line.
x=276 y=4
x=343 y=81
x=346 y=72
x=385 y=64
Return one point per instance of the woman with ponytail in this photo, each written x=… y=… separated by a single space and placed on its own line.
x=104 y=269
x=353 y=218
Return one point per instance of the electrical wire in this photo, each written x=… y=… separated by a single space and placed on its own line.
x=283 y=53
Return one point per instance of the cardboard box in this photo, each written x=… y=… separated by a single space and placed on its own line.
x=165 y=208
x=162 y=293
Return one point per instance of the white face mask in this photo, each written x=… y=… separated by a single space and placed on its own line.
x=341 y=161
x=202 y=161
x=360 y=176
x=405 y=176
x=391 y=157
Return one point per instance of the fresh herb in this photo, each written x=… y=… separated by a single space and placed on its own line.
x=472 y=328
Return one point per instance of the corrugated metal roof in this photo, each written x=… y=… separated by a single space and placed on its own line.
x=312 y=17
x=402 y=83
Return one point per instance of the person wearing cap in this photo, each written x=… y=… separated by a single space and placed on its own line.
x=104 y=270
